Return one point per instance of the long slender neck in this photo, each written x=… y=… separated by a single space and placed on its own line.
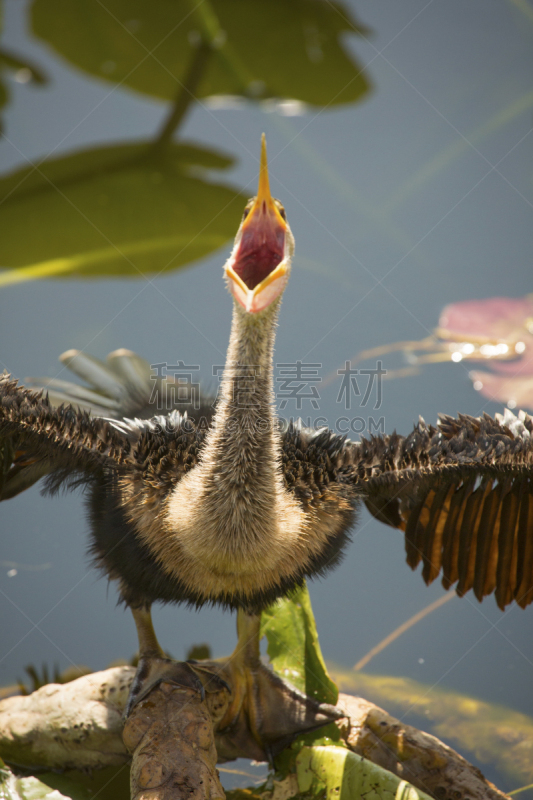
x=244 y=443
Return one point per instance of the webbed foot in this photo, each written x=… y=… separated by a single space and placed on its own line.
x=265 y=713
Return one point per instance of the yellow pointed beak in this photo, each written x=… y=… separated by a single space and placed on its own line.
x=264 y=202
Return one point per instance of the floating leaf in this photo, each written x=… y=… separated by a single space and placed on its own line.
x=498 y=330
x=121 y=210
x=293 y=648
x=110 y=783
x=265 y=48
x=514 y=392
x=491 y=330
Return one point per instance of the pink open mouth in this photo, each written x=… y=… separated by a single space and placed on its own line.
x=261 y=249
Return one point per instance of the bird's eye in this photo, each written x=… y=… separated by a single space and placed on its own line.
x=282 y=213
x=246 y=212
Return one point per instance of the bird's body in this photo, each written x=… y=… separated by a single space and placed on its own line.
x=201 y=544
x=461 y=491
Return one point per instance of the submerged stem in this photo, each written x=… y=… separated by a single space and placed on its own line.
x=185 y=96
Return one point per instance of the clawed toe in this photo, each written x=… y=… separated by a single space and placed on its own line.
x=153 y=670
x=210 y=679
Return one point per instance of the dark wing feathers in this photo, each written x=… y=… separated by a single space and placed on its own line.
x=72 y=447
x=166 y=448
x=463 y=495
x=122 y=386
x=309 y=461
x=62 y=439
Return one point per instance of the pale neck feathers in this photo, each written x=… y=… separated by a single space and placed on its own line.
x=232 y=511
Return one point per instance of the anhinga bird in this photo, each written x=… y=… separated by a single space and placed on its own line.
x=241 y=513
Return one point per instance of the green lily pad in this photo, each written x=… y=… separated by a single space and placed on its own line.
x=265 y=48
x=293 y=648
x=121 y=210
x=110 y=783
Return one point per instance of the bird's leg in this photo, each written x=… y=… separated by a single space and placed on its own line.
x=266 y=713
x=154 y=666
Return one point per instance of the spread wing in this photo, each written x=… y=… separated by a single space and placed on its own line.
x=72 y=447
x=63 y=438
x=125 y=385
x=463 y=495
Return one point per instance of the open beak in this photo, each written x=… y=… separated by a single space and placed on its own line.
x=257 y=270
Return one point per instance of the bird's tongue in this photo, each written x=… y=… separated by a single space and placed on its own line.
x=260 y=251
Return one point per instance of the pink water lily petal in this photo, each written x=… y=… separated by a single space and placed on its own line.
x=496 y=319
x=523 y=367
x=514 y=392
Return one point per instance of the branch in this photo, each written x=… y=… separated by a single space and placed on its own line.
x=173 y=735
x=411 y=754
x=76 y=725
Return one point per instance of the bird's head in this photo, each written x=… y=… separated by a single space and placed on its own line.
x=258 y=268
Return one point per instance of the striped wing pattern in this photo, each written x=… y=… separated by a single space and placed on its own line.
x=463 y=495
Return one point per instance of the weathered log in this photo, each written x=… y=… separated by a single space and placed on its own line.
x=76 y=725
x=79 y=725
x=487 y=732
